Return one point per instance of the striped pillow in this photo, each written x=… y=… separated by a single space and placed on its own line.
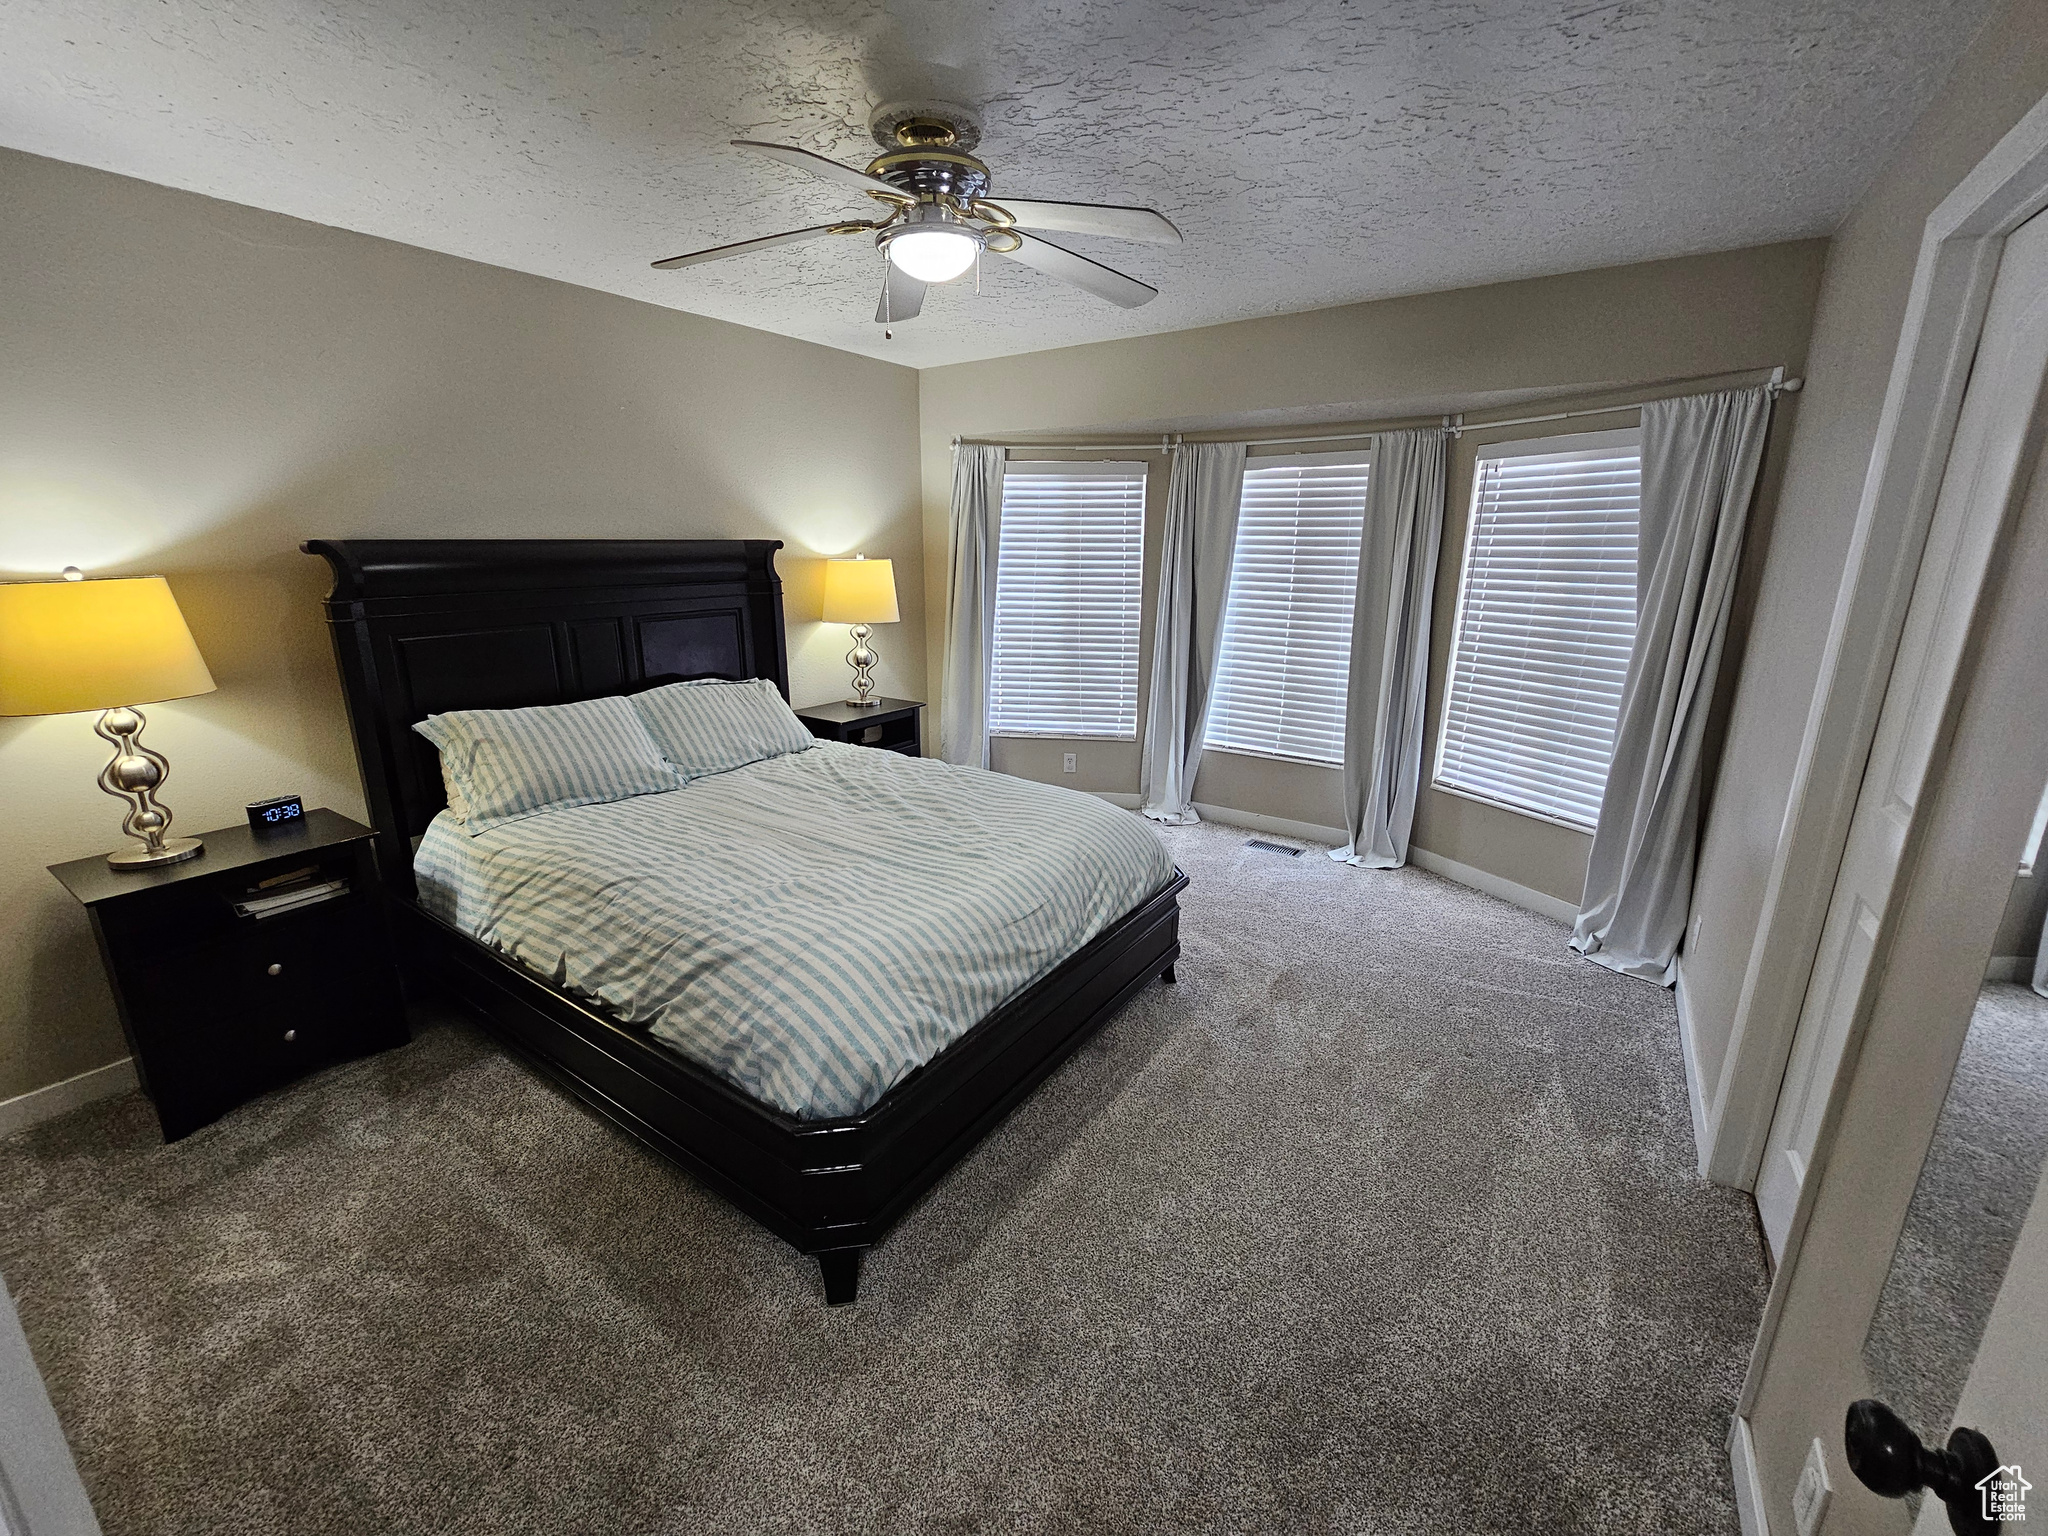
x=710 y=727
x=502 y=764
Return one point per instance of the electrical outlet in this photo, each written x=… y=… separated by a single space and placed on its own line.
x=1067 y=763
x=1810 y=1496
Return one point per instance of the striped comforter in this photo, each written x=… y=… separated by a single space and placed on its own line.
x=812 y=927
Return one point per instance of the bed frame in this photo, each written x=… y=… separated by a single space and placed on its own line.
x=422 y=627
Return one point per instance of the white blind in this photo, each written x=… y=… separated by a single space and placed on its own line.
x=1068 y=570
x=1281 y=679
x=1546 y=617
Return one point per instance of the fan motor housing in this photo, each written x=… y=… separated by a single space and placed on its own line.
x=927 y=173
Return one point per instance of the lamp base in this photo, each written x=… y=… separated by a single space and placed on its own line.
x=135 y=775
x=862 y=658
x=175 y=850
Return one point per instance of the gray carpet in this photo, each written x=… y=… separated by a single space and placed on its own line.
x=1975 y=1190
x=1385 y=1219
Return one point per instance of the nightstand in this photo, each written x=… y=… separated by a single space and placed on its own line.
x=220 y=1004
x=890 y=724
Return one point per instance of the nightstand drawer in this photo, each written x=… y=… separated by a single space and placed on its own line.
x=228 y=1019
x=303 y=988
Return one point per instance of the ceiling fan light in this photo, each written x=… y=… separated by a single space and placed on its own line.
x=933 y=255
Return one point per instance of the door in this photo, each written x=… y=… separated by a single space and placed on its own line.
x=1957 y=1350
x=1987 y=468
x=40 y=1494
x=2004 y=1397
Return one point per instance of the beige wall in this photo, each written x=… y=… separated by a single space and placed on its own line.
x=1588 y=335
x=1856 y=331
x=193 y=387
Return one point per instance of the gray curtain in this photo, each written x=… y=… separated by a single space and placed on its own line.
x=1187 y=629
x=971 y=603
x=1389 y=678
x=1700 y=458
x=2041 y=960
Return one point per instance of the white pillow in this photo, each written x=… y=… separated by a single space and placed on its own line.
x=711 y=727
x=502 y=764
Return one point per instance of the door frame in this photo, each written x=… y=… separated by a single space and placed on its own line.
x=1996 y=432
x=1960 y=247
x=1898 y=1062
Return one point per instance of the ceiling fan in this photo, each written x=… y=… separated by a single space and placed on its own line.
x=940 y=220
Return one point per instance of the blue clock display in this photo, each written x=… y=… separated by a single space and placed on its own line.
x=272 y=815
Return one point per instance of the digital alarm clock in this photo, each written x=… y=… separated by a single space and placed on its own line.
x=269 y=815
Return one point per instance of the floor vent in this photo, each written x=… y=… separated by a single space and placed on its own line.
x=1265 y=847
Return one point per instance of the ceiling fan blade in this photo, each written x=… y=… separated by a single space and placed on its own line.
x=902 y=297
x=741 y=247
x=1146 y=224
x=826 y=170
x=1058 y=261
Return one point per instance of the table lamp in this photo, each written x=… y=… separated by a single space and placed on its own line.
x=109 y=645
x=860 y=592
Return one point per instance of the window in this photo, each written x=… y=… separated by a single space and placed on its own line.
x=1286 y=658
x=1065 y=659
x=1546 y=617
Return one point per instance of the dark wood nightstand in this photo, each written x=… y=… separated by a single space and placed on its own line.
x=891 y=724
x=218 y=1005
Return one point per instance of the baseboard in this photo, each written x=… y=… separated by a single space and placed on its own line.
x=40 y=1104
x=1695 y=1090
x=2010 y=968
x=1539 y=902
x=1117 y=797
x=1749 y=1487
x=1301 y=831
x=1336 y=837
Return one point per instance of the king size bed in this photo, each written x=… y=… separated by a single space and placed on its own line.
x=814 y=975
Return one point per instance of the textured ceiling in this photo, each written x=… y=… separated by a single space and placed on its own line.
x=1315 y=152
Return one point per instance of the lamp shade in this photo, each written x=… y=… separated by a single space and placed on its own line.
x=860 y=592
x=77 y=645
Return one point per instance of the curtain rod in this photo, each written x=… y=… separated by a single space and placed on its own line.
x=1455 y=424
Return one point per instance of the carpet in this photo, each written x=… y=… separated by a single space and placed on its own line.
x=1385 y=1219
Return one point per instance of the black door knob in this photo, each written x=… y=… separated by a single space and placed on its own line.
x=1888 y=1459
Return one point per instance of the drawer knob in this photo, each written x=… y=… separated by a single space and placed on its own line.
x=275 y=970
x=290 y=1035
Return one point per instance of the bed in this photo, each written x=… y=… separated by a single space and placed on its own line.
x=826 y=1159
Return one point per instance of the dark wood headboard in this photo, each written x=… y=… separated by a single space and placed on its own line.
x=425 y=626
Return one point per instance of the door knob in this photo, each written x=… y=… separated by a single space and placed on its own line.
x=1888 y=1459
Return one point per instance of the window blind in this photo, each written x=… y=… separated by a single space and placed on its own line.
x=1282 y=675
x=1546 y=618
x=1065 y=655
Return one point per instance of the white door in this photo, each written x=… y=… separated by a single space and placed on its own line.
x=1993 y=452
x=2005 y=1398
x=40 y=1494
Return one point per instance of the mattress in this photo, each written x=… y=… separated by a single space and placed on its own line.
x=812 y=927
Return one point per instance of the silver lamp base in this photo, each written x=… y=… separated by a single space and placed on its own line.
x=862 y=658
x=175 y=850
x=135 y=775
